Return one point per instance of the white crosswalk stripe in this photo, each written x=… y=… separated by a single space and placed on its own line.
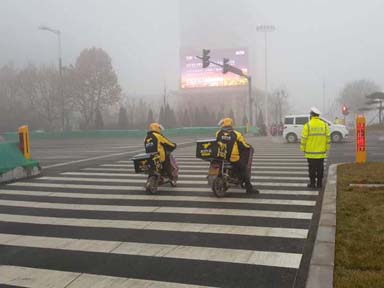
x=131 y=171
x=103 y=211
x=137 y=181
x=37 y=278
x=161 y=189
x=277 y=259
x=158 y=197
x=181 y=175
x=166 y=226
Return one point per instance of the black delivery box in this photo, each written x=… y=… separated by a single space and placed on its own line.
x=206 y=149
x=143 y=162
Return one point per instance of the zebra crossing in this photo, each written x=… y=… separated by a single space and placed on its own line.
x=96 y=227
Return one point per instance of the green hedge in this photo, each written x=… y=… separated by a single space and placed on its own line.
x=11 y=157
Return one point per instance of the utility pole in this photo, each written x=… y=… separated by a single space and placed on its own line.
x=165 y=94
x=324 y=96
x=61 y=90
x=266 y=29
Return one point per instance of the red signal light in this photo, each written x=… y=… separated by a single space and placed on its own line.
x=345 y=110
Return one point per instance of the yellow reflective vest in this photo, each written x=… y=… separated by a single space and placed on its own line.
x=315 y=139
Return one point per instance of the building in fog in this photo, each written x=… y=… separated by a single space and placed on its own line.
x=227 y=34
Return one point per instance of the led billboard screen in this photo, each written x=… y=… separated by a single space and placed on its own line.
x=193 y=75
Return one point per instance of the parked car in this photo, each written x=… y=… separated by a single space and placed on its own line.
x=293 y=126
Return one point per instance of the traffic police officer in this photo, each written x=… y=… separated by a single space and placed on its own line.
x=315 y=142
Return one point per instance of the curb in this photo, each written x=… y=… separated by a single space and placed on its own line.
x=320 y=273
x=20 y=173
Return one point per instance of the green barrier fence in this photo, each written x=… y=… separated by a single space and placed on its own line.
x=172 y=132
x=11 y=157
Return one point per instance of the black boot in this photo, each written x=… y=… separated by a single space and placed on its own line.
x=311 y=186
x=251 y=190
x=319 y=183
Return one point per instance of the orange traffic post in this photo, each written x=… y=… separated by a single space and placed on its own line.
x=361 y=149
x=24 y=145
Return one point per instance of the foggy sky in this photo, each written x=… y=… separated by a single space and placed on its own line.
x=334 y=40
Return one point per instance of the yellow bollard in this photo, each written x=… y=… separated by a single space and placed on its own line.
x=361 y=149
x=24 y=145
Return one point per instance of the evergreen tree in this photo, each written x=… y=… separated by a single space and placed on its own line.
x=150 y=118
x=197 y=117
x=161 y=116
x=245 y=120
x=123 y=118
x=99 y=122
x=232 y=115
x=261 y=125
x=186 y=119
x=220 y=115
x=172 y=119
x=205 y=115
x=213 y=121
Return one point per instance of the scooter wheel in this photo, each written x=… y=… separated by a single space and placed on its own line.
x=219 y=187
x=151 y=185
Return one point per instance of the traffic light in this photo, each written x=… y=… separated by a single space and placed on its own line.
x=345 y=110
x=226 y=66
x=206 y=58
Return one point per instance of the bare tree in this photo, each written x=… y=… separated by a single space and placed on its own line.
x=278 y=105
x=354 y=93
x=98 y=85
x=40 y=87
x=9 y=98
x=376 y=101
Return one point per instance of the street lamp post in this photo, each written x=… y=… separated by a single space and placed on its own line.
x=58 y=34
x=266 y=29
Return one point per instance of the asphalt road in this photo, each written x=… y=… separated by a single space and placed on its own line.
x=92 y=224
x=59 y=154
x=345 y=152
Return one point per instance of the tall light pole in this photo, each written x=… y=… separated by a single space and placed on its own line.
x=58 y=34
x=266 y=29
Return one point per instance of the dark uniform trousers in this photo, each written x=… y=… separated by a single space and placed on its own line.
x=242 y=169
x=316 y=171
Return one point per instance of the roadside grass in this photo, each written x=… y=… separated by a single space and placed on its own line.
x=359 y=259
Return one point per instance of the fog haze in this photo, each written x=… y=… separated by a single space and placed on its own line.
x=315 y=41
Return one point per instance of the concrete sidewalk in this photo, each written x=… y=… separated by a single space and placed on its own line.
x=323 y=257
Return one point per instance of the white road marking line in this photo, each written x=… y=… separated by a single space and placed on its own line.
x=113 y=180
x=96 y=158
x=160 y=226
x=37 y=278
x=164 y=188
x=159 y=197
x=159 y=209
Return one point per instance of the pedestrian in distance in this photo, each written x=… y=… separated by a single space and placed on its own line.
x=315 y=143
